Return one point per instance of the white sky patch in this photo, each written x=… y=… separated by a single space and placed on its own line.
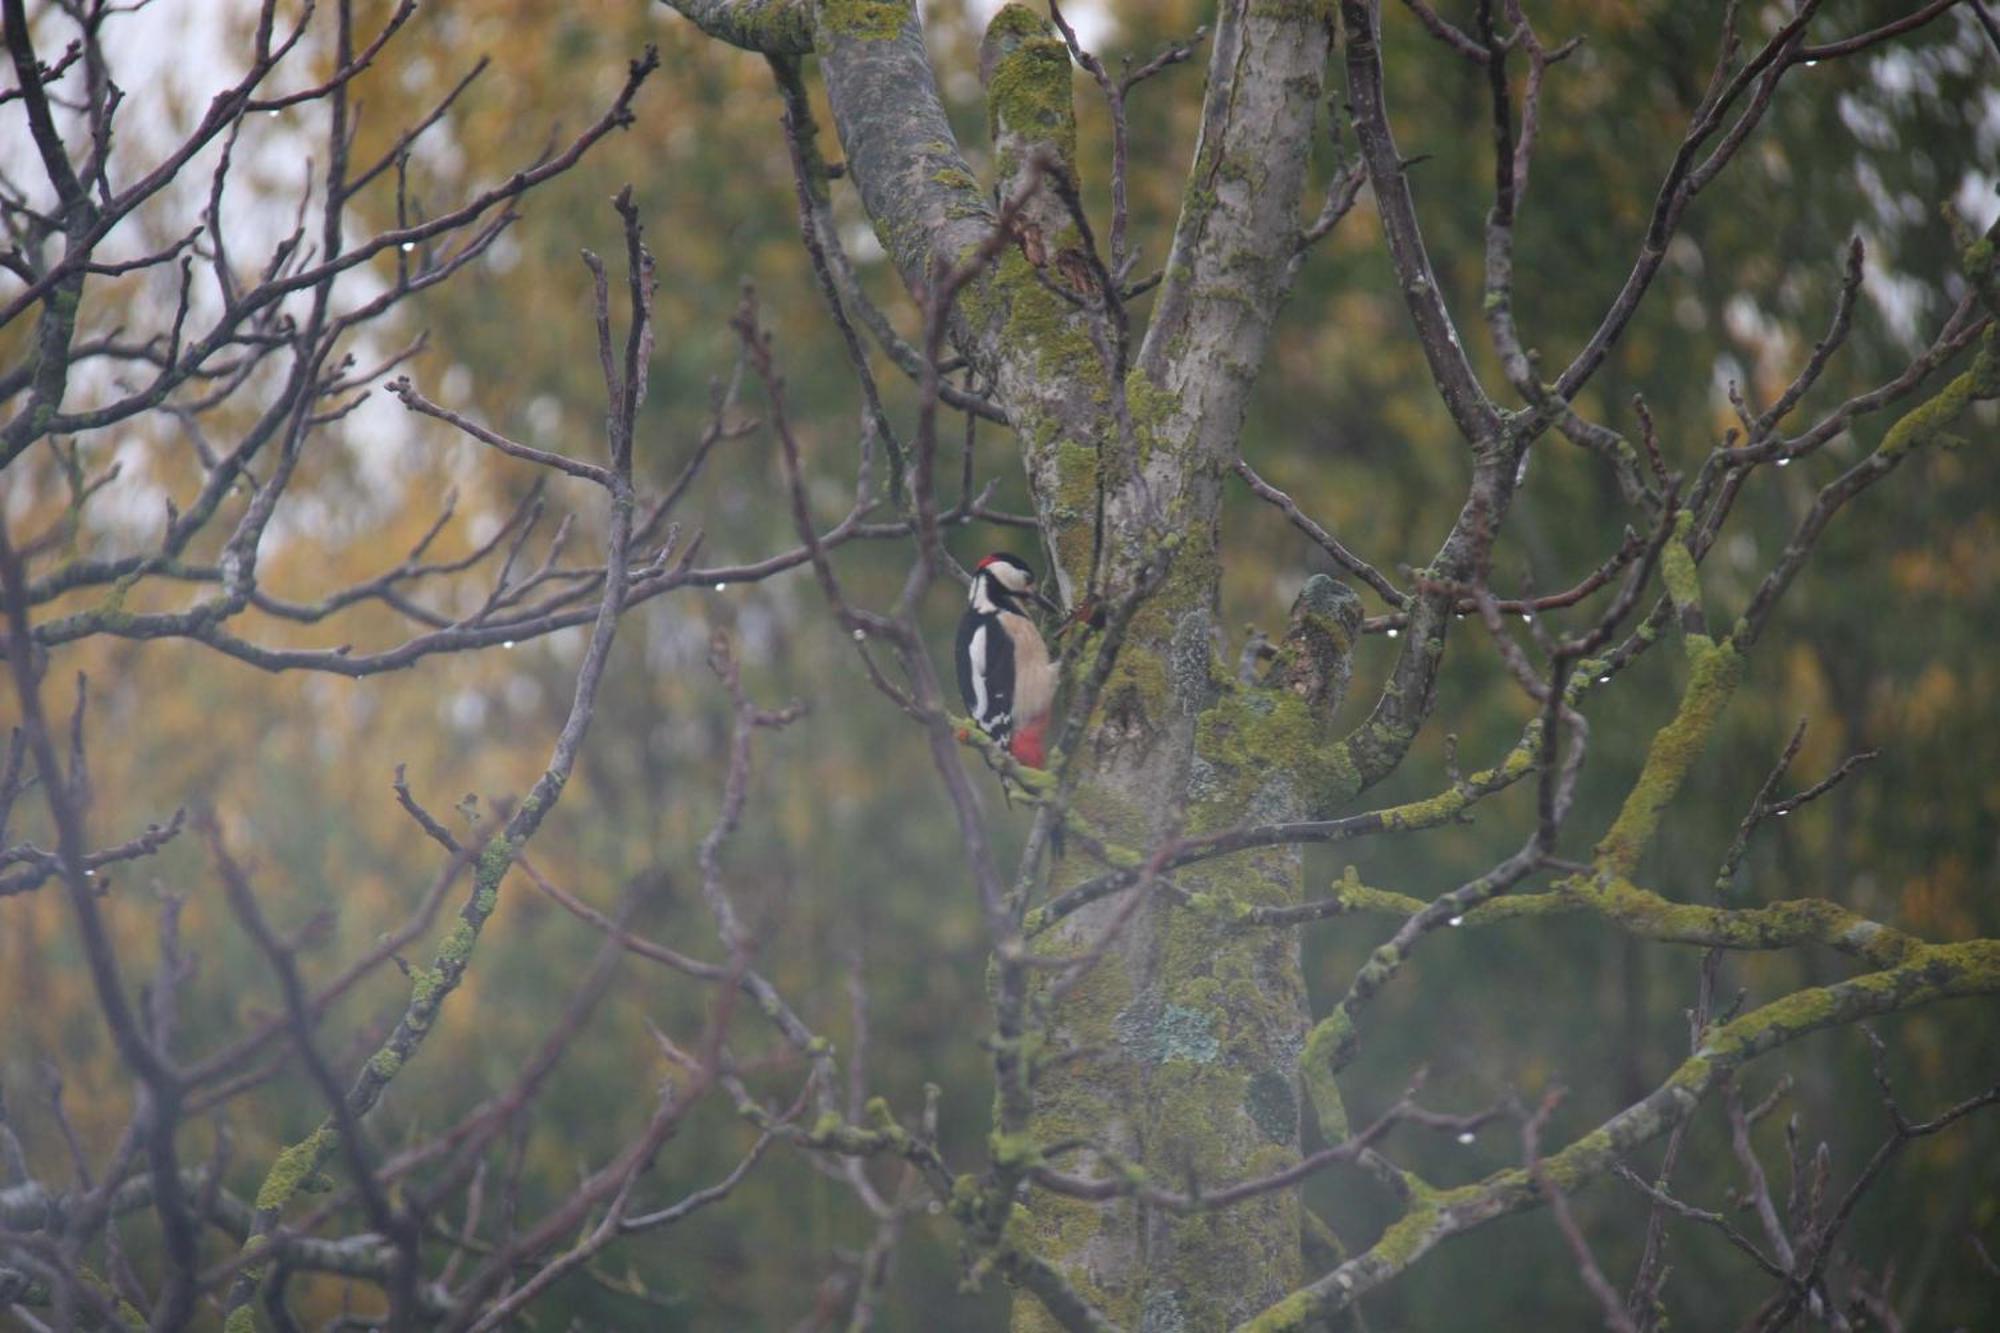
x=503 y=254
x=173 y=57
x=455 y=385
x=863 y=245
x=1896 y=295
x=1975 y=201
x=1745 y=322
x=1866 y=121
x=545 y=419
x=1741 y=549
x=130 y=504
x=1887 y=211
x=480 y=528
x=568 y=643
x=523 y=694
x=1900 y=75
x=19 y=498
x=1897 y=72
x=1684 y=254
x=381 y=437
x=1986 y=134
x=466 y=709
x=1093 y=24
x=1726 y=371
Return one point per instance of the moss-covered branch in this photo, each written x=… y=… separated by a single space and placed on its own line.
x=1781 y=925
x=901 y=153
x=1928 y=424
x=1717 y=670
x=1331 y=1044
x=1717 y=667
x=1930 y=973
x=1408 y=817
x=775 y=27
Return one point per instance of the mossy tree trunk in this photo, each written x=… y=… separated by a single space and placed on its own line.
x=1179 y=1051
x=1194 y=1030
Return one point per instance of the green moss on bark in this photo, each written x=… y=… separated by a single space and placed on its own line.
x=1261 y=741
x=1677 y=567
x=1028 y=91
x=767 y=25
x=867 y=20
x=1078 y=1108
x=1676 y=747
x=1927 y=423
x=1317 y=1066
x=293 y=1166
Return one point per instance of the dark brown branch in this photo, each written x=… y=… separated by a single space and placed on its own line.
x=162 y=1084
x=1688 y=173
x=44 y=865
x=1445 y=32
x=575 y=467
x=1763 y=806
x=817 y=231
x=1816 y=1246
x=454 y=955
x=1615 y=1317
x=1323 y=539
x=1667 y=1202
x=1848 y=46
x=300 y=1022
x=1457 y=386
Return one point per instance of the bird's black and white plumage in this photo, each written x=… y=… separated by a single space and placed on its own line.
x=1004 y=672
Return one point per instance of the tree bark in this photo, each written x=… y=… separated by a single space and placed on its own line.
x=1179 y=1051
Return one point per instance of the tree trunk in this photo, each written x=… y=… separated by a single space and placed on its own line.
x=1180 y=1054
x=1187 y=1038
x=1179 y=1051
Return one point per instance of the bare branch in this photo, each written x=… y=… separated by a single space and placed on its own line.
x=1615 y=1317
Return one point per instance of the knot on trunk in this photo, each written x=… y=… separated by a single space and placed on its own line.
x=1315 y=660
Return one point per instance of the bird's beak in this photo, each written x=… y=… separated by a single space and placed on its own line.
x=1043 y=600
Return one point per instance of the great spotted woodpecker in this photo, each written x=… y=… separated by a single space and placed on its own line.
x=1004 y=671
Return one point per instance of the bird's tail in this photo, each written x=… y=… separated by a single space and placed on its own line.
x=1030 y=744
